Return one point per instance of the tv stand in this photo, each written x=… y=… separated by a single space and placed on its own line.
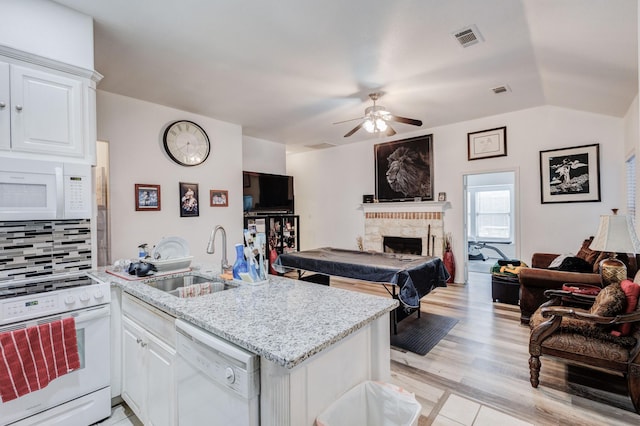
x=282 y=232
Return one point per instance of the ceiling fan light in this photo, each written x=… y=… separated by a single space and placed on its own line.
x=381 y=125
x=368 y=125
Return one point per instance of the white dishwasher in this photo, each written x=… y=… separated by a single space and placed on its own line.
x=218 y=382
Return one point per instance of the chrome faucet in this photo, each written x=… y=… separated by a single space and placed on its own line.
x=211 y=247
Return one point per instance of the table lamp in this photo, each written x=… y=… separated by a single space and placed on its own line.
x=616 y=234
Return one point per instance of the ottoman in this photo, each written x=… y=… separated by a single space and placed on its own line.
x=505 y=289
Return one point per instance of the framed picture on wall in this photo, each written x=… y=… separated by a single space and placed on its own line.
x=570 y=175
x=404 y=169
x=189 y=205
x=219 y=198
x=147 y=197
x=487 y=144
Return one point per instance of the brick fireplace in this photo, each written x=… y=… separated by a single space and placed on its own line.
x=424 y=220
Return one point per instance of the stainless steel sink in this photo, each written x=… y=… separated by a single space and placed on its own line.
x=172 y=285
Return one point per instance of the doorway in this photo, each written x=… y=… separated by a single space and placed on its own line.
x=103 y=231
x=490 y=219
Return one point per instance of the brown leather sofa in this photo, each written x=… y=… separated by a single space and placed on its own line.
x=535 y=280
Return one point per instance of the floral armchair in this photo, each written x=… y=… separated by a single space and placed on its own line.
x=605 y=334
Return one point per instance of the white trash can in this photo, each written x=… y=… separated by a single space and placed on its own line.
x=372 y=404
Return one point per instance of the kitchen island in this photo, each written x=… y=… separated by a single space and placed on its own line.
x=314 y=342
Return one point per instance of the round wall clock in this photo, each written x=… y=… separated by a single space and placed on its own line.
x=186 y=143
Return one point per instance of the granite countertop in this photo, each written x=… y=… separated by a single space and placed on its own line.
x=285 y=321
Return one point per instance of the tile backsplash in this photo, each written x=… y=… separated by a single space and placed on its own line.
x=43 y=247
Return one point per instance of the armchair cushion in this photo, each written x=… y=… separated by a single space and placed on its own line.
x=589 y=346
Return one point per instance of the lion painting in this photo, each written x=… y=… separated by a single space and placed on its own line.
x=408 y=173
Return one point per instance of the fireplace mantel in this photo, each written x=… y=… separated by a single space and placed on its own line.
x=407 y=206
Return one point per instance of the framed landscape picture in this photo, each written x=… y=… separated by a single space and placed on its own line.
x=147 y=197
x=404 y=169
x=189 y=205
x=570 y=175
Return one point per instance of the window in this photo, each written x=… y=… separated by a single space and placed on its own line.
x=491 y=213
x=631 y=187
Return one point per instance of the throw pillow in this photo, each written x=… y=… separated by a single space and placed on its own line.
x=610 y=301
x=586 y=253
x=632 y=292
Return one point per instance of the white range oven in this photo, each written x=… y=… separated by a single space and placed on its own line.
x=83 y=396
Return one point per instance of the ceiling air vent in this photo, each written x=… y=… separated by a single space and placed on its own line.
x=501 y=89
x=323 y=145
x=468 y=36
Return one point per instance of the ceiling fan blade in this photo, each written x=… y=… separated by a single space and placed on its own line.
x=404 y=120
x=355 y=129
x=351 y=119
x=390 y=131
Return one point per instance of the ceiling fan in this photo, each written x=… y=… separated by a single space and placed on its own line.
x=376 y=119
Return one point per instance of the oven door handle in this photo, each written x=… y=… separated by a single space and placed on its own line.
x=92 y=313
x=81 y=317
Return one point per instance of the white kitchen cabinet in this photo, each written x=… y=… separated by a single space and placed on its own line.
x=148 y=362
x=46 y=112
x=5 y=109
x=47 y=108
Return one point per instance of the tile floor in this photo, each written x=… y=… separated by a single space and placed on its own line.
x=458 y=411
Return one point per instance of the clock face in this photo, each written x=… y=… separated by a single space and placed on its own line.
x=186 y=143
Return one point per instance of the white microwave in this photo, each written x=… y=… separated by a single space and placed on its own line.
x=44 y=190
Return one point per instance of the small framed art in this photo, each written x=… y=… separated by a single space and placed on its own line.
x=487 y=144
x=570 y=175
x=147 y=197
x=219 y=198
x=189 y=205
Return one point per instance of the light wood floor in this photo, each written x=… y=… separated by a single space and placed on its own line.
x=484 y=358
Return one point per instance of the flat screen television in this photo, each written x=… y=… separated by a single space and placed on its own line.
x=265 y=193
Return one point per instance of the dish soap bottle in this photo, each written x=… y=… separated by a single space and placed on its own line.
x=240 y=264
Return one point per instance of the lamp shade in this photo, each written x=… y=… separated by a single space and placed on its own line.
x=616 y=235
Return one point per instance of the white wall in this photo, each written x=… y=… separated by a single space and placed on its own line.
x=48 y=29
x=261 y=155
x=330 y=183
x=134 y=131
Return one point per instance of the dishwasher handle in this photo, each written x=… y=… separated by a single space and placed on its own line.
x=217 y=344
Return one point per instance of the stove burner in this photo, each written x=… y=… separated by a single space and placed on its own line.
x=24 y=288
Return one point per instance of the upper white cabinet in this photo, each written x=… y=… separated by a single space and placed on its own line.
x=5 y=108
x=46 y=112
x=47 y=108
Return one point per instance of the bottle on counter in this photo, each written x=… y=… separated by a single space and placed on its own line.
x=240 y=264
x=143 y=251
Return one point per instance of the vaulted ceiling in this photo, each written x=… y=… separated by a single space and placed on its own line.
x=287 y=69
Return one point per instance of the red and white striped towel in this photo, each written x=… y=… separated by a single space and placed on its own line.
x=30 y=358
